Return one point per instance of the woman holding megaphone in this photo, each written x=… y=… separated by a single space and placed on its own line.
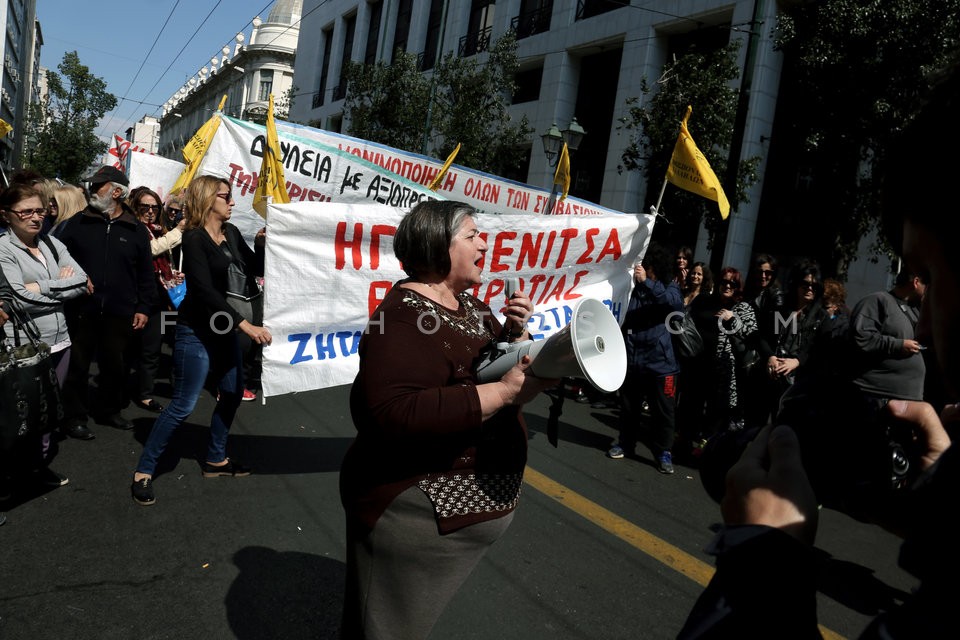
x=434 y=474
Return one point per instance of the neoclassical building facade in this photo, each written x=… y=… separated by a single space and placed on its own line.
x=258 y=64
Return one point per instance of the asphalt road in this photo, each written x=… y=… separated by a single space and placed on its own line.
x=588 y=556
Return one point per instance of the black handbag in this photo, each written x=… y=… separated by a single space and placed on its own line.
x=239 y=284
x=687 y=340
x=30 y=401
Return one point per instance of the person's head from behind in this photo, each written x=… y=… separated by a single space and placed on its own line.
x=145 y=203
x=730 y=284
x=439 y=240
x=918 y=225
x=834 y=295
x=208 y=196
x=70 y=200
x=22 y=210
x=701 y=277
x=658 y=262
x=910 y=286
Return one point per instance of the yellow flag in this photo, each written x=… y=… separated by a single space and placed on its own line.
x=271 y=185
x=562 y=176
x=197 y=146
x=690 y=170
x=5 y=128
x=443 y=170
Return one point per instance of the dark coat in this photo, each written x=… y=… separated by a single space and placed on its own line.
x=116 y=256
x=649 y=343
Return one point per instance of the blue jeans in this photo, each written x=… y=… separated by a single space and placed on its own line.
x=193 y=359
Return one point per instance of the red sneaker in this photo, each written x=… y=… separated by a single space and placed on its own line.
x=249 y=395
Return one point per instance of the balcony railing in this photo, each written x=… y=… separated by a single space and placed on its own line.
x=589 y=8
x=317 y=99
x=532 y=22
x=476 y=42
x=340 y=91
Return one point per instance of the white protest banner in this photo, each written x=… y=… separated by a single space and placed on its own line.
x=486 y=192
x=328 y=266
x=314 y=172
x=156 y=172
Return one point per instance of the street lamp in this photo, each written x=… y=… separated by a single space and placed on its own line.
x=553 y=140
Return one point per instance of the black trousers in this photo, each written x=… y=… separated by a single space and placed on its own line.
x=105 y=338
x=660 y=392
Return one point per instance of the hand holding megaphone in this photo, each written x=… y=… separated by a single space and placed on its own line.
x=521 y=386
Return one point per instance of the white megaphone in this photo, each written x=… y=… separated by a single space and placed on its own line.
x=590 y=347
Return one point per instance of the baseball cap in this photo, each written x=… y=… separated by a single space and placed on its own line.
x=106 y=173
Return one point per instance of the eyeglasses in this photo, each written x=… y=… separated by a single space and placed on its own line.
x=175 y=212
x=728 y=283
x=26 y=214
x=226 y=196
x=766 y=273
x=144 y=208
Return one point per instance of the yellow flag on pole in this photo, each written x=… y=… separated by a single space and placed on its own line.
x=271 y=184
x=562 y=175
x=5 y=128
x=690 y=170
x=195 y=148
x=443 y=170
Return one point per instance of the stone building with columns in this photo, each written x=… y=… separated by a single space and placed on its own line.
x=247 y=72
x=581 y=60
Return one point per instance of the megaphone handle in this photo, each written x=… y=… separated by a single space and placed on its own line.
x=553 y=421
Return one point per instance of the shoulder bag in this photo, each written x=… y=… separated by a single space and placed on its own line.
x=687 y=341
x=30 y=401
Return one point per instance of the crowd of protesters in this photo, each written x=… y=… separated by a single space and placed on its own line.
x=92 y=268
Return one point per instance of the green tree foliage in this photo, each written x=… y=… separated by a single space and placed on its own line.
x=60 y=128
x=470 y=108
x=389 y=104
x=859 y=68
x=701 y=80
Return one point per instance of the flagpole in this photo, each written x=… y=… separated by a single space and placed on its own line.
x=655 y=209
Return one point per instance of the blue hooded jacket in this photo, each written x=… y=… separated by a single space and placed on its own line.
x=649 y=344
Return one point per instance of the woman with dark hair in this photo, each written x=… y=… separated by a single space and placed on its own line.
x=434 y=474
x=699 y=280
x=766 y=296
x=145 y=347
x=681 y=265
x=206 y=339
x=722 y=319
x=796 y=332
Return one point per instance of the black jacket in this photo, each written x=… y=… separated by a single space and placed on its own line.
x=116 y=256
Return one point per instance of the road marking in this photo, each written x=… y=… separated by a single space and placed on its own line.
x=660 y=550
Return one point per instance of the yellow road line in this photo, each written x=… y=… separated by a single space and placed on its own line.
x=660 y=550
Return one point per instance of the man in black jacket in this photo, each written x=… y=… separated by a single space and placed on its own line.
x=113 y=247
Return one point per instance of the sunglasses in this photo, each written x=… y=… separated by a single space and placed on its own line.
x=144 y=208
x=226 y=196
x=808 y=285
x=174 y=211
x=728 y=283
x=767 y=273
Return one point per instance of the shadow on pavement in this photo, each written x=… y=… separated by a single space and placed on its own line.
x=264 y=454
x=286 y=595
x=856 y=586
